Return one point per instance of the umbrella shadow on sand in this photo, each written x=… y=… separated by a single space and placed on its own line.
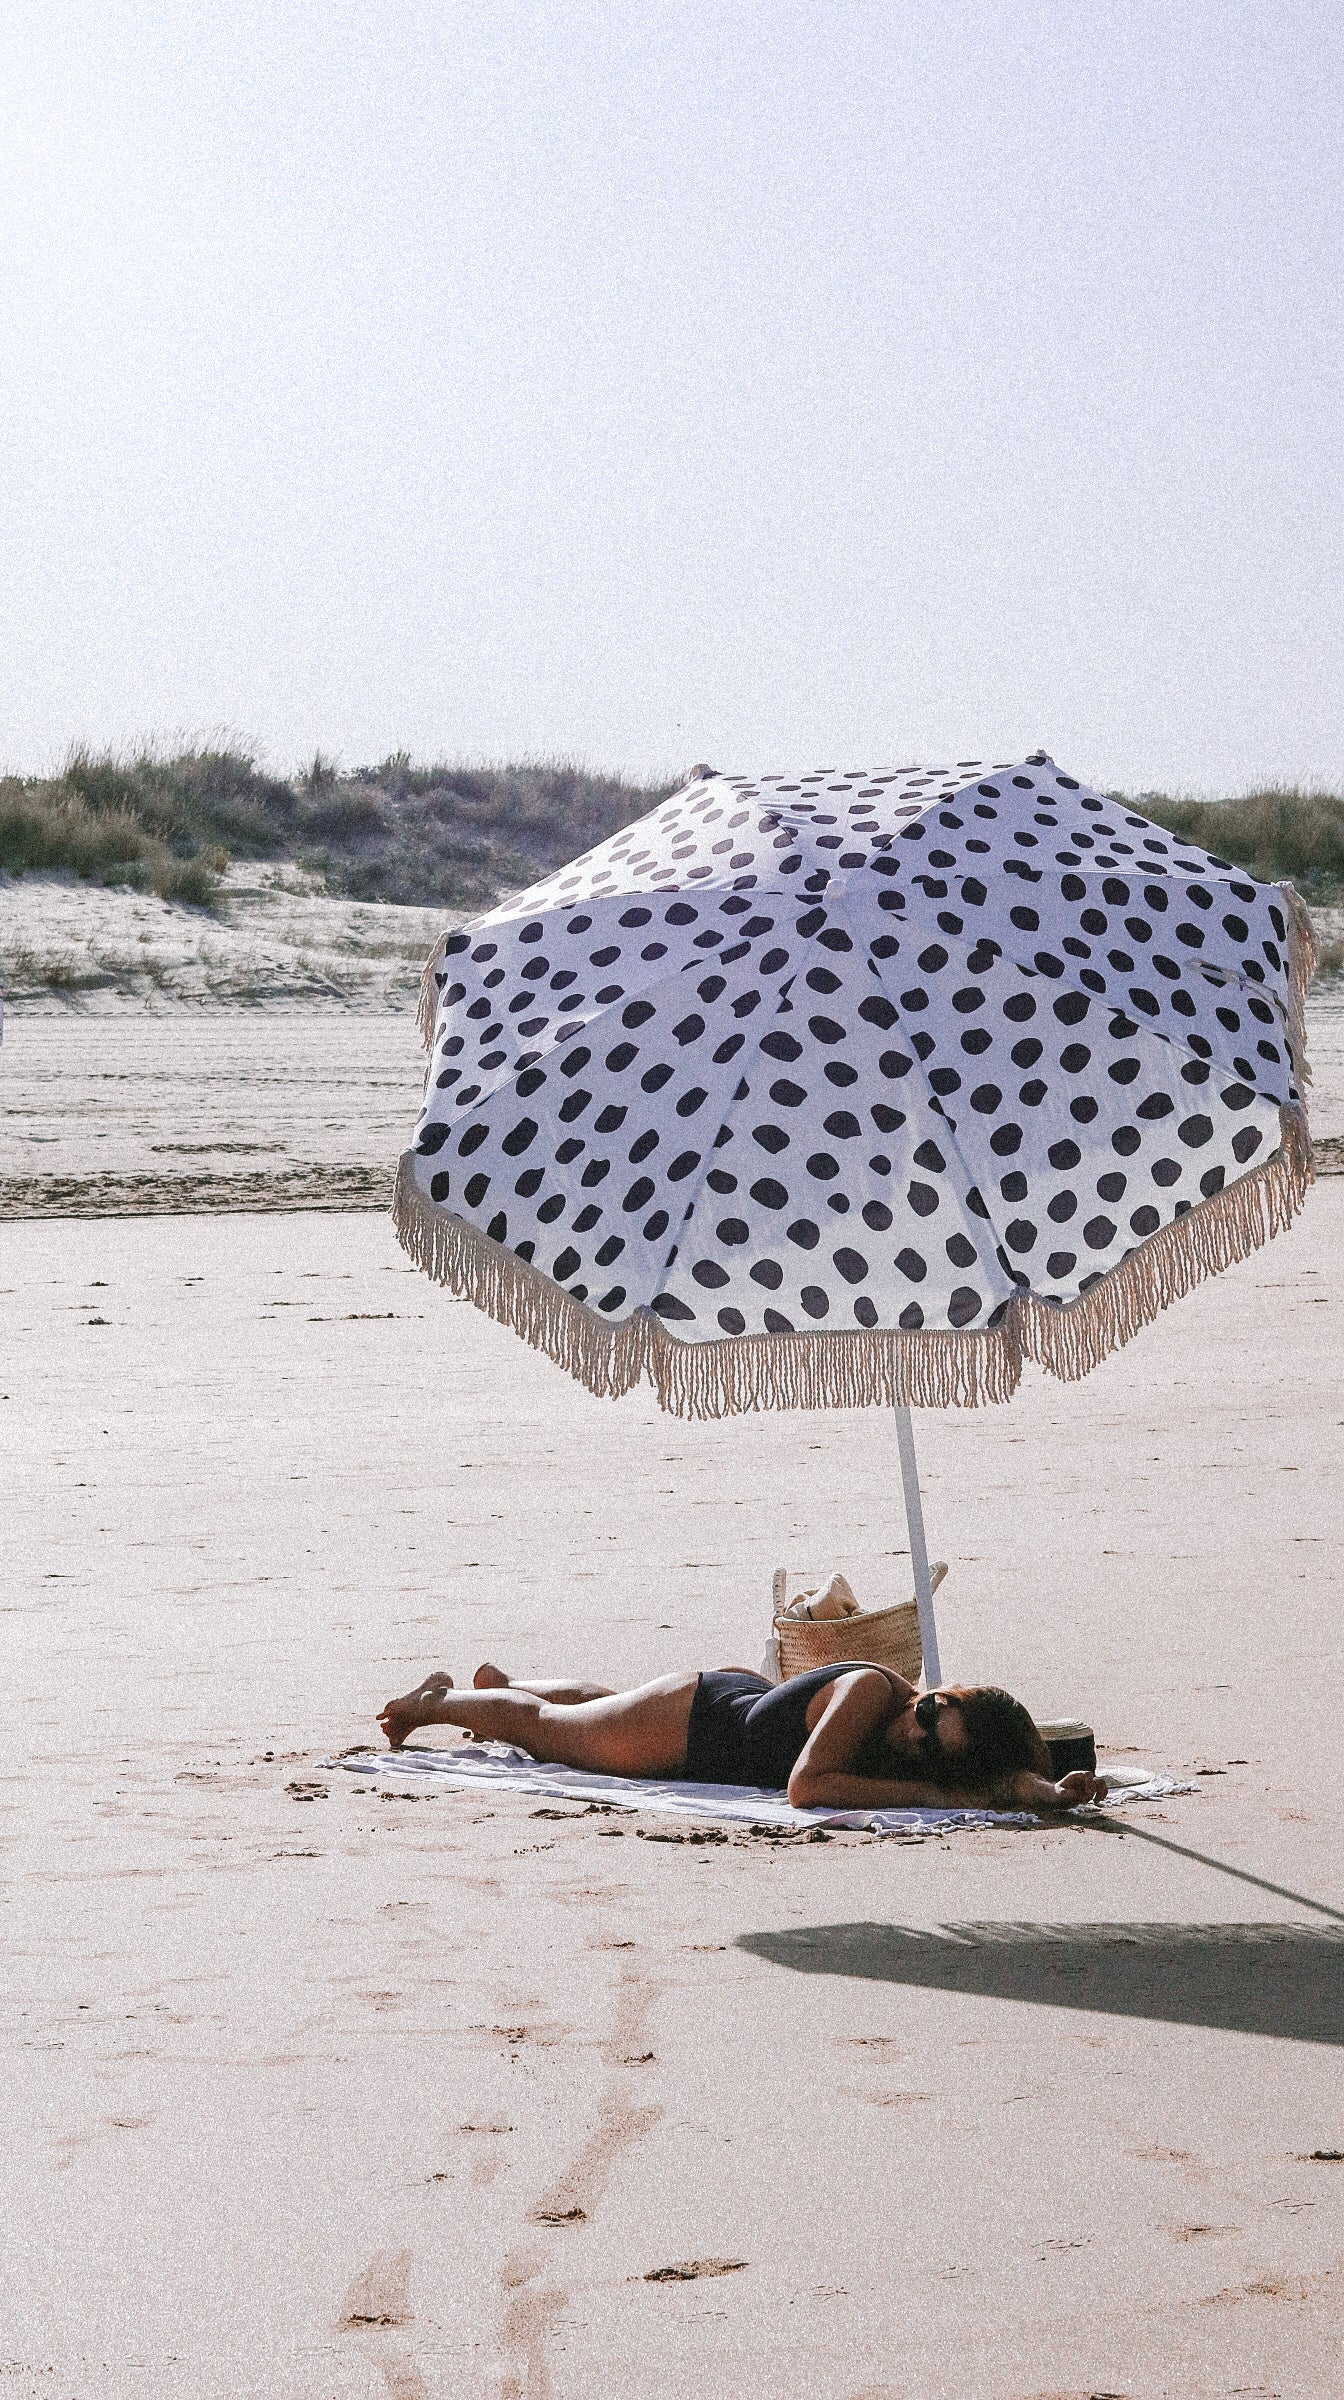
x=1274 y=1979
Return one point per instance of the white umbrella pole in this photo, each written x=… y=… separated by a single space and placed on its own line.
x=919 y=1553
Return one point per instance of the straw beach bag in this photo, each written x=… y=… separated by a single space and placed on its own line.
x=882 y=1637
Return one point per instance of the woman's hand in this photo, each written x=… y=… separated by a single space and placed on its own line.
x=1072 y=1791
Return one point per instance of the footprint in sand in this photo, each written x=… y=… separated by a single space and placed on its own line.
x=533 y=2307
x=378 y=2300
x=575 y=2195
x=688 y=2270
x=380 y=2293
x=531 y=2312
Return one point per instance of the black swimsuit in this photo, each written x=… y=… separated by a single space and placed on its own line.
x=745 y=1730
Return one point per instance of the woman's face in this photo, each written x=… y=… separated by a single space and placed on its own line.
x=932 y=1723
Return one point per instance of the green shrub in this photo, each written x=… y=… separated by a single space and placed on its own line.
x=347 y=815
x=192 y=881
x=104 y=787
x=86 y=827
x=45 y=825
x=194 y=799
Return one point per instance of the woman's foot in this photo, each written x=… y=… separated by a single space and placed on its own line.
x=402 y=1717
x=488 y=1678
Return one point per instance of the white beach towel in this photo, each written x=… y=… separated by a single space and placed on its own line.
x=482 y=1767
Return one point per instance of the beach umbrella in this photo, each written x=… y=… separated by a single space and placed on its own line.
x=843 y=1088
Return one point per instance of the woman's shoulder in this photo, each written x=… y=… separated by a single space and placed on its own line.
x=815 y=1679
x=869 y=1666
x=850 y=1679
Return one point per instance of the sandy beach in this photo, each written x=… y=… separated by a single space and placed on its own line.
x=315 y=2089
x=471 y=469
x=135 y=1114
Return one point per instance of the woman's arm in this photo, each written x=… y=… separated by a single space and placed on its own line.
x=857 y=1704
x=1026 y=1791
x=875 y=1791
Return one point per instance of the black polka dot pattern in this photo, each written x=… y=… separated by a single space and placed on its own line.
x=847 y=1051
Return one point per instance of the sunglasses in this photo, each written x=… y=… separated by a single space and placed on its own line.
x=926 y=1714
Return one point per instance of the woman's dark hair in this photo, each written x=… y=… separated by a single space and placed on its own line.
x=1001 y=1741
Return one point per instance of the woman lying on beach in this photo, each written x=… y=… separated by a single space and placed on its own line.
x=846 y=1736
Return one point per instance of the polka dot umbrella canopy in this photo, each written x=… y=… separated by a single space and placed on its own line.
x=848 y=1087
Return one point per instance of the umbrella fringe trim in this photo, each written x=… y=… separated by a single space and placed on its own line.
x=700 y=1379
x=858 y=1370
x=1220 y=1232
x=609 y=1359
x=834 y=1370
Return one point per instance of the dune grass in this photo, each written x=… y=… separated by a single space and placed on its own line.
x=93 y=822
x=445 y=835
x=429 y=835
x=1279 y=834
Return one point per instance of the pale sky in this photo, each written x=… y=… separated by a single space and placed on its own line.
x=770 y=382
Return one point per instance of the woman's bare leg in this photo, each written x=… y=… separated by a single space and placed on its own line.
x=560 y=1690
x=624 y=1733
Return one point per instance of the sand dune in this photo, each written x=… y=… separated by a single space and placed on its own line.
x=278 y=938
